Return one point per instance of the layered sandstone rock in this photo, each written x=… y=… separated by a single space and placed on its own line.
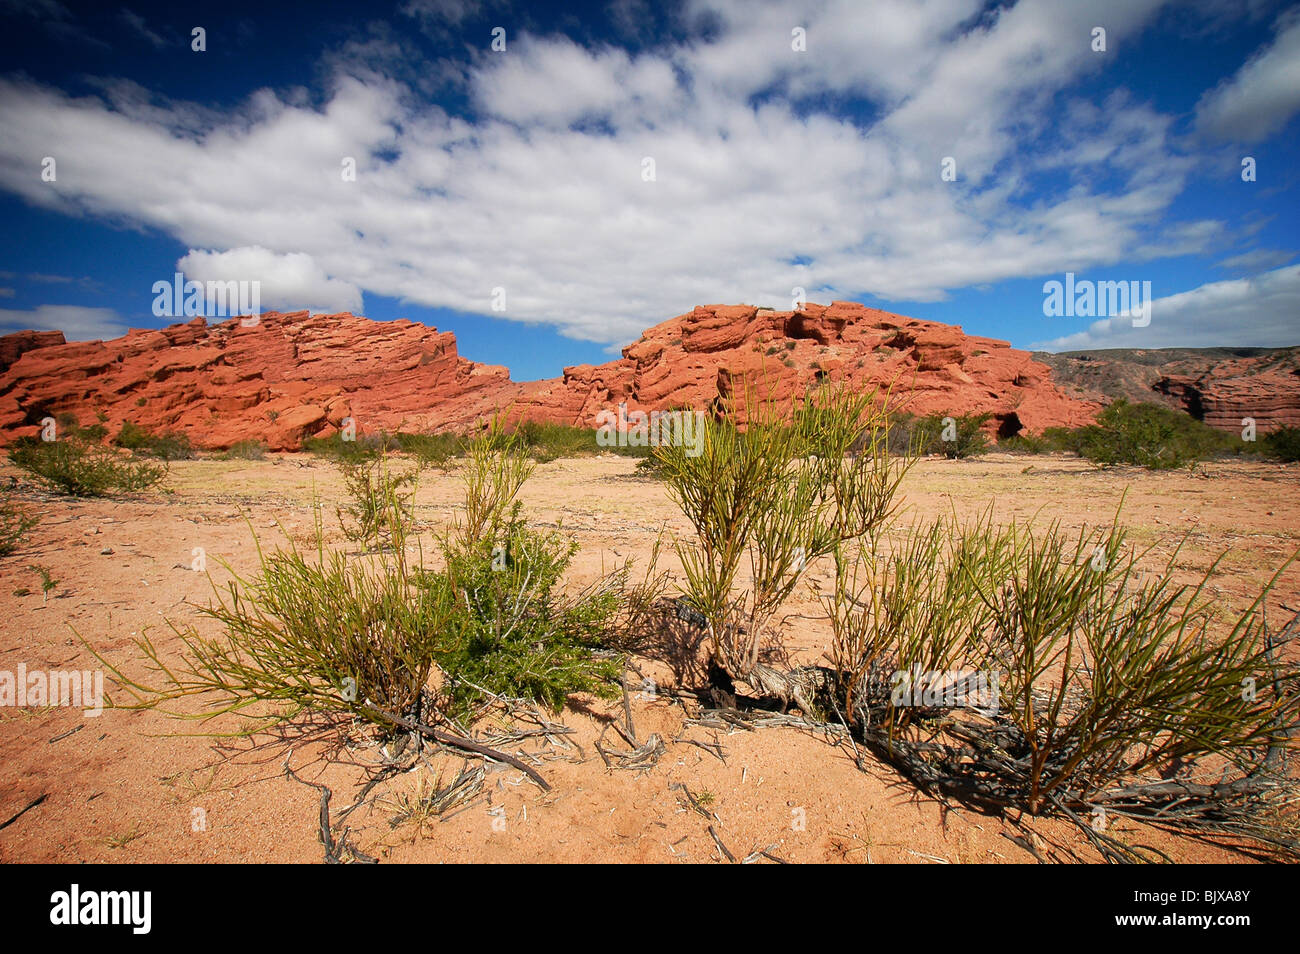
x=711 y=352
x=1221 y=386
x=284 y=378
x=294 y=375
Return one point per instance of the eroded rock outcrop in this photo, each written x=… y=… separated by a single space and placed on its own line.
x=289 y=376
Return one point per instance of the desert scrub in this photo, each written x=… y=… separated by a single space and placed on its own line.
x=1151 y=436
x=78 y=467
x=14 y=524
x=312 y=631
x=794 y=485
x=548 y=442
x=322 y=631
x=516 y=635
x=381 y=501
x=432 y=449
x=169 y=445
x=1108 y=692
x=1283 y=444
x=244 y=450
x=956 y=436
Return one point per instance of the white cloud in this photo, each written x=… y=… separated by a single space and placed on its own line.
x=288 y=282
x=1259 y=312
x=544 y=195
x=1262 y=96
x=76 y=323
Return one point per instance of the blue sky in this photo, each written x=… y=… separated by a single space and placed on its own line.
x=793 y=145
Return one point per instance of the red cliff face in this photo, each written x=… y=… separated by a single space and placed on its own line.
x=295 y=375
x=285 y=378
x=693 y=359
x=1234 y=391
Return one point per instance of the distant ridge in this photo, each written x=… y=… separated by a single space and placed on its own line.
x=1221 y=386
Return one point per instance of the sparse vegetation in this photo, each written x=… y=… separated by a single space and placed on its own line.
x=958 y=435
x=1104 y=686
x=245 y=450
x=78 y=467
x=323 y=631
x=1149 y=435
x=167 y=446
x=48 y=582
x=1283 y=444
x=380 y=498
x=14 y=524
x=779 y=495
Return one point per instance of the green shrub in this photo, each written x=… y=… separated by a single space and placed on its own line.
x=435 y=449
x=170 y=445
x=1062 y=439
x=1151 y=436
x=311 y=632
x=791 y=487
x=1283 y=444
x=334 y=633
x=75 y=466
x=14 y=524
x=379 y=497
x=1103 y=681
x=68 y=426
x=516 y=636
x=1023 y=444
x=957 y=436
x=548 y=442
x=245 y=450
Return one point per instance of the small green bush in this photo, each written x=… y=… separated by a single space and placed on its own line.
x=170 y=445
x=957 y=436
x=434 y=449
x=331 y=632
x=245 y=450
x=312 y=632
x=1151 y=436
x=1283 y=444
x=84 y=469
x=14 y=524
x=380 y=500
x=68 y=426
x=515 y=635
x=1022 y=444
x=360 y=448
x=1102 y=680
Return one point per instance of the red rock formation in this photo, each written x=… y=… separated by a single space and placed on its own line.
x=285 y=378
x=1227 y=396
x=294 y=375
x=692 y=359
x=1221 y=386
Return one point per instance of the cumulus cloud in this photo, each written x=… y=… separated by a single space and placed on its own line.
x=760 y=184
x=76 y=323
x=1261 y=312
x=292 y=281
x=1262 y=96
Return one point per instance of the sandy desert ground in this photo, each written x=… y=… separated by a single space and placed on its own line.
x=132 y=786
